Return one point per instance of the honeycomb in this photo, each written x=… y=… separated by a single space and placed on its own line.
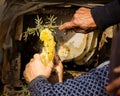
x=48 y=50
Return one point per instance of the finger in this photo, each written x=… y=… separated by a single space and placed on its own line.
x=50 y=65
x=49 y=69
x=27 y=65
x=112 y=86
x=37 y=56
x=56 y=59
x=24 y=73
x=117 y=70
x=31 y=60
x=118 y=93
x=25 y=76
x=67 y=25
x=59 y=67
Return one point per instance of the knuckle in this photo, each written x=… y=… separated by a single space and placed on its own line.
x=75 y=16
x=27 y=65
x=24 y=73
x=36 y=55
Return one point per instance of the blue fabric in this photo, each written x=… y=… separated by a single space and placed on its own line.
x=92 y=83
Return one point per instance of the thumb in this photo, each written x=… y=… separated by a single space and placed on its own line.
x=67 y=25
x=114 y=85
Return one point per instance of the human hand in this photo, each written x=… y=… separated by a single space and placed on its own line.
x=58 y=67
x=35 y=68
x=115 y=85
x=82 y=19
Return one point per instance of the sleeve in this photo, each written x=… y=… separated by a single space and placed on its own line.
x=107 y=15
x=90 y=84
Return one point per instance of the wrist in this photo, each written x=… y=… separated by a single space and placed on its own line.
x=93 y=23
x=37 y=79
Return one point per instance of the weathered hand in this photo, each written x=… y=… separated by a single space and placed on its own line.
x=35 y=68
x=82 y=19
x=115 y=85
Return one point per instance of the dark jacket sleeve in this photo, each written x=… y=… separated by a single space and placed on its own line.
x=92 y=83
x=107 y=15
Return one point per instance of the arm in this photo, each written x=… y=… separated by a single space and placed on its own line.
x=107 y=15
x=101 y=17
x=91 y=84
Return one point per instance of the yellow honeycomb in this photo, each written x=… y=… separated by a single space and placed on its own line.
x=48 y=50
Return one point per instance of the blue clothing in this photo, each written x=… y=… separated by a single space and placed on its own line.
x=107 y=15
x=92 y=83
